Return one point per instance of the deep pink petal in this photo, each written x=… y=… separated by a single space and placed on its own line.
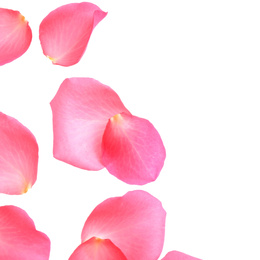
x=65 y=32
x=18 y=156
x=132 y=149
x=18 y=237
x=15 y=35
x=81 y=109
x=134 y=223
x=97 y=249
x=175 y=255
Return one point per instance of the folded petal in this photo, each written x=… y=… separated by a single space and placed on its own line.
x=18 y=237
x=97 y=249
x=175 y=255
x=132 y=149
x=65 y=32
x=18 y=156
x=135 y=223
x=81 y=109
x=15 y=35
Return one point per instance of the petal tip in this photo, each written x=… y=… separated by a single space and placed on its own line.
x=22 y=18
x=53 y=60
x=116 y=118
x=26 y=188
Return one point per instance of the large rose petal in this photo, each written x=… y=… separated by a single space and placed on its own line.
x=135 y=223
x=65 y=32
x=132 y=149
x=18 y=156
x=97 y=249
x=175 y=255
x=18 y=237
x=81 y=109
x=15 y=35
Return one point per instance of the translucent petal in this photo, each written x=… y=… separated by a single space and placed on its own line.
x=135 y=223
x=18 y=156
x=132 y=149
x=175 y=255
x=65 y=32
x=15 y=35
x=97 y=249
x=81 y=109
x=18 y=237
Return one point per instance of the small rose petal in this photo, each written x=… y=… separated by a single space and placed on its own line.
x=97 y=249
x=15 y=35
x=135 y=223
x=132 y=149
x=65 y=32
x=175 y=255
x=81 y=109
x=18 y=237
x=18 y=156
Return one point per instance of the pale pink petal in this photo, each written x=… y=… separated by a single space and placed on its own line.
x=18 y=156
x=134 y=223
x=175 y=255
x=18 y=237
x=132 y=149
x=65 y=32
x=81 y=109
x=15 y=35
x=97 y=249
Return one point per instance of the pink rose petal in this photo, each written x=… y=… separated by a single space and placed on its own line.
x=81 y=109
x=132 y=149
x=135 y=223
x=97 y=249
x=175 y=255
x=65 y=32
x=15 y=35
x=18 y=156
x=18 y=237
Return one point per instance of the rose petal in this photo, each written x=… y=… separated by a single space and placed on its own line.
x=132 y=149
x=18 y=156
x=15 y=35
x=97 y=249
x=134 y=223
x=81 y=109
x=175 y=255
x=65 y=32
x=18 y=237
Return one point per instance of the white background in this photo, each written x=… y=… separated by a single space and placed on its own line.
x=189 y=67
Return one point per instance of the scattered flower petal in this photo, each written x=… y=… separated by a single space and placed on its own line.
x=175 y=255
x=135 y=223
x=81 y=109
x=65 y=32
x=15 y=35
x=18 y=156
x=92 y=129
x=97 y=249
x=132 y=149
x=18 y=237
